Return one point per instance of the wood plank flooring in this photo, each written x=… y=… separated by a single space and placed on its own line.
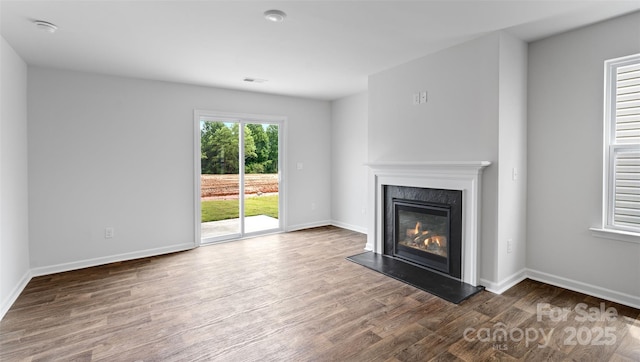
x=294 y=297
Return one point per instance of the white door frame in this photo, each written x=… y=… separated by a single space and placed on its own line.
x=199 y=115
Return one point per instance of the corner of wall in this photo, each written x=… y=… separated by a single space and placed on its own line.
x=564 y=202
x=512 y=155
x=14 y=212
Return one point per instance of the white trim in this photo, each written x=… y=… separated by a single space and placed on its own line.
x=592 y=290
x=558 y=281
x=308 y=225
x=197 y=166
x=497 y=288
x=607 y=131
x=340 y=224
x=280 y=121
x=64 y=267
x=505 y=284
x=249 y=236
x=452 y=175
x=610 y=149
x=59 y=268
x=435 y=165
x=15 y=293
x=620 y=235
x=235 y=116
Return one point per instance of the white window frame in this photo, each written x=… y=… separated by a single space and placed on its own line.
x=609 y=228
x=281 y=121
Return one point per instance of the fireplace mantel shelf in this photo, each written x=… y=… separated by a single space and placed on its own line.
x=428 y=164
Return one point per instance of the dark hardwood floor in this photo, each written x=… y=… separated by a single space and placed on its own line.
x=294 y=297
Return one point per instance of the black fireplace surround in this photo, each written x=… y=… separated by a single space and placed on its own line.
x=424 y=227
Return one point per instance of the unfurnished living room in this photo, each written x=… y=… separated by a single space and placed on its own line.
x=320 y=180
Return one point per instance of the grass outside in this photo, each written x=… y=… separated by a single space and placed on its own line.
x=215 y=210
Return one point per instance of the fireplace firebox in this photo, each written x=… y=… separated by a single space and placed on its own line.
x=424 y=226
x=421 y=233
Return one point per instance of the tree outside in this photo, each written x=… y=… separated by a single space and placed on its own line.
x=219 y=154
x=219 y=148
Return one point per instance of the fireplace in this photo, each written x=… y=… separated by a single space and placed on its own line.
x=424 y=226
x=464 y=176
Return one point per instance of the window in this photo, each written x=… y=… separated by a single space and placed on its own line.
x=622 y=147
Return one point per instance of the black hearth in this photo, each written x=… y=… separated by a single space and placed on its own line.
x=422 y=246
x=441 y=260
x=424 y=226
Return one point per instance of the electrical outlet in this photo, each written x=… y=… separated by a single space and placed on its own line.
x=514 y=174
x=509 y=246
x=423 y=97
x=108 y=232
x=416 y=98
x=313 y=206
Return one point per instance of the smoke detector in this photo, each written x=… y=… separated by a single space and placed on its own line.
x=275 y=16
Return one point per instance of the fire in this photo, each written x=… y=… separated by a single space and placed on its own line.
x=418 y=235
x=418 y=230
x=431 y=241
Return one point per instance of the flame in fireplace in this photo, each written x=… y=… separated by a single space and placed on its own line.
x=417 y=231
x=431 y=241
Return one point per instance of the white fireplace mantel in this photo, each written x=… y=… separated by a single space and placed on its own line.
x=449 y=175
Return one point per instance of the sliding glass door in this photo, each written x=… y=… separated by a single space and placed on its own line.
x=261 y=178
x=239 y=174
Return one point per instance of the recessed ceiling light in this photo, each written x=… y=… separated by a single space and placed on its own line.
x=276 y=16
x=45 y=26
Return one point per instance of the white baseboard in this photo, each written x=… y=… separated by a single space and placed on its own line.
x=340 y=224
x=505 y=284
x=59 y=268
x=599 y=292
x=494 y=287
x=576 y=286
x=15 y=293
x=308 y=225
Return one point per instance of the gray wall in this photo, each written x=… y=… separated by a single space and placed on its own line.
x=14 y=231
x=512 y=149
x=565 y=122
x=101 y=149
x=110 y=151
x=348 y=157
x=459 y=122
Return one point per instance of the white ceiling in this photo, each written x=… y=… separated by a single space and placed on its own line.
x=324 y=49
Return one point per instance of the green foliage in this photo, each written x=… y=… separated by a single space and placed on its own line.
x=220 y=144
x=215 y=210
x=259 y=162
x=272 y=135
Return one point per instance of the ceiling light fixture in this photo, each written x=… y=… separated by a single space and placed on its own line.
x=275 y=16
x=45 y=26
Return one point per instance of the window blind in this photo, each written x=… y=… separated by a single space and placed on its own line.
x=628 y=104
x=626 y=147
